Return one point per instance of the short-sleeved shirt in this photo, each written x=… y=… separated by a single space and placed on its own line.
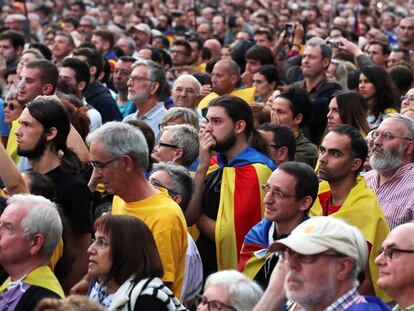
x=168 y=226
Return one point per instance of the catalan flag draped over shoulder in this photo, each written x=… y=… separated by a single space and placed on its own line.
x=241 y=201
x=362 y=210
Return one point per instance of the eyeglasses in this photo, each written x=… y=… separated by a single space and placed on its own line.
x=212 y=305
x=85 y=26
x=138 y=79
x=161 y=144
x=276 y=193
x=388 y=252
x=100 y=243
x=178 y=52
x=406 y=97
x=288 y=254
x=11 y=106
x=387 y=136
x=275 y=146
x=101 y=165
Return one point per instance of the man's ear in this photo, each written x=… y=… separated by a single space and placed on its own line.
x=326 y=62
x=298 y=119
x=240 y=126
x=51 y=134
x=305 y=203
x=356 y=164
x=37 y=243
x=81 y=86
x=282 y=153
x=154 y=87
x=47 y=89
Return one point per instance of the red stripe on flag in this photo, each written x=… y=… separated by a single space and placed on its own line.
x=247 y=202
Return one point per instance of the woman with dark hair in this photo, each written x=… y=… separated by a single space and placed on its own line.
x=376 y=87
x=265 y=80
x=126 y=267
x=349 y=107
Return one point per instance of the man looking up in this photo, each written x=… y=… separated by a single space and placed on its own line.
x=344 y=194
x=229 y=198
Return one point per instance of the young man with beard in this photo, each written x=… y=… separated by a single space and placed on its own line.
x=146 y=86
x=41 y=137
x=228 y=200
x=392 y=177
x=344 y=194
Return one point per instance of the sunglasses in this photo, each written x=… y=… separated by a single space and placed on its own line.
x=11 y=106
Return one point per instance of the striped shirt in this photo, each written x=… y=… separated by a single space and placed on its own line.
x=396 y=196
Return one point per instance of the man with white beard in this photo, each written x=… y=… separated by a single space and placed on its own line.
x=321 y=260
x=392 y=177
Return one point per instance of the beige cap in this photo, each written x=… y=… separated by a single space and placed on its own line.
x=143 y=27
x=319 y=234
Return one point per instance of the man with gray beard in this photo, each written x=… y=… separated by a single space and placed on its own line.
x=392 y=176
x=146 y=87
x=318 y=269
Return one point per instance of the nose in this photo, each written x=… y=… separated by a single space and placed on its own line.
x=329 y=115
x=380 y=260
x=268 y=198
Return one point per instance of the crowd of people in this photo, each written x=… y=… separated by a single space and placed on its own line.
x=207 y=155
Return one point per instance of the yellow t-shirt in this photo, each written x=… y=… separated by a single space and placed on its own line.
x=168 y=226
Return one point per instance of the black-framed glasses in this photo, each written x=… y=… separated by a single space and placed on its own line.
x=212 y=305
x=389 y=252
x=138 y=79
x=387 y=136
x=288 y=254
x=101 y=165
x=276 y=193
x=275 y=146
x=161 y=144
x=178 y=52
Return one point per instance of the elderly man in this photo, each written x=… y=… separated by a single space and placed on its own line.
x=392 y=177
x=321 y=261
x=30 y=229
x=395 y=264
x=186 y=91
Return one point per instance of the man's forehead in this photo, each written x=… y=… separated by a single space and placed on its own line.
x=141 y=69
x=336 y=141
x=402 y=236
x=393 y=126
x=30 y=72
x=14 y=213
x=185 y=83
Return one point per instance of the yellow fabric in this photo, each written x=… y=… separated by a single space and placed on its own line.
x=253 y=265
x=57 y=253
x=225 y=226
x=194 y=232
x=362 y=210
x=202 y=67
x=168 y=226
x=11 y=148
x=247 y=94
x=42 y=277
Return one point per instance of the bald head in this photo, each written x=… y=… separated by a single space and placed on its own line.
x=186 y=91
x=214 y=46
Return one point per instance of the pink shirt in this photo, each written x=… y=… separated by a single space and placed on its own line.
x=396 y=196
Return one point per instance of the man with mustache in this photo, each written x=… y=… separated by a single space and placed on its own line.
x=392 y=177
x=319 y=268
x=344 y=194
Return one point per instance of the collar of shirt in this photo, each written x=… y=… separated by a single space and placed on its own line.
x=346 y=300
x=398 y=308
x=151 y=113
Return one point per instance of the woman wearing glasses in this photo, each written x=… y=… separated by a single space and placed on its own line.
x=126 y=267
x=229 y=290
